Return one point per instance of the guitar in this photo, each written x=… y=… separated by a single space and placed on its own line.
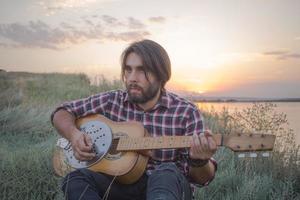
x=115 y=145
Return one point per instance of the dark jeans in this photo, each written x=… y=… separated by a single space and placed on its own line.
x=165 y=183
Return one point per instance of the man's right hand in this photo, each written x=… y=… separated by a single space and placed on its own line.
x=82 y=146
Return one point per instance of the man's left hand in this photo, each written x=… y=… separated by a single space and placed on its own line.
x=203 y=146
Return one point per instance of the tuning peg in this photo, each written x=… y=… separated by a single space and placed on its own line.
x=253 y=155
x=265 y=154
x=241 y=155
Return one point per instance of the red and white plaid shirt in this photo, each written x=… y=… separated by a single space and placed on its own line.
x=171 y=116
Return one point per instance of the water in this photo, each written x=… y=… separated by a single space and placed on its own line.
x=291 y=109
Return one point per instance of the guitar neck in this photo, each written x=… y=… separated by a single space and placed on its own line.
x=164 y=142
x=236 y=142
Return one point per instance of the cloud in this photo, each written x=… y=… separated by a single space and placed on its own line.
x=3 y=44
x=131 y=22
x=282 y=55
x=38 y=34
x=158 y=19
x=262 y=89
x=275 y=53
x=127 y=36
x=111 y=21
x=135 y=24
x=290 y=55
x=33 y=34
x=67 y=26
x=53 y=6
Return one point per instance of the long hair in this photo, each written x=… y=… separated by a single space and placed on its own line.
x=154 y=57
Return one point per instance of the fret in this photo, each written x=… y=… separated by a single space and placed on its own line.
x=153 y=143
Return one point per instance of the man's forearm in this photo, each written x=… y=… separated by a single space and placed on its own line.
x=64 y=122
x=202 y=174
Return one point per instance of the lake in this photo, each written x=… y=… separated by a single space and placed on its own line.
x=291 y=109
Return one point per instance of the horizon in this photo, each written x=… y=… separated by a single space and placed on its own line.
x=195 y=96
x=234 y=48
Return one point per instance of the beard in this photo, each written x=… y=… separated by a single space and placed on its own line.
x=145 y=95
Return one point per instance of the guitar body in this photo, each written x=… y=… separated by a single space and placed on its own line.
x=127 y=165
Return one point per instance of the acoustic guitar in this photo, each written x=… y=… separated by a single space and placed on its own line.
x=115 y=145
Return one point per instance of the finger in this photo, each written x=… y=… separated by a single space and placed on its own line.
x=198 y=146
x=88 y=140
x=196 y=141
x=85 y=155
x=192 y=140
x=207 y=133
x=82 y=145
x=147 y=153
x=204 y=143
x=210 y=140
x=83 y=158
x=77 y=156
x=193 y=145
x=212 y=144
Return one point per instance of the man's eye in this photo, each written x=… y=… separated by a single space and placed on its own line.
x=128 y=69
x=141 y=70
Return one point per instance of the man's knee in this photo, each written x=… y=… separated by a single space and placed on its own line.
x=167 y=182
x=167 y=172
x=79 y=183
x=70 y=181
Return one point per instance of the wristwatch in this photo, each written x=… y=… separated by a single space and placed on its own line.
x=197 y=162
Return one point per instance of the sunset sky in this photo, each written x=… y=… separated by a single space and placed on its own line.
x=234 y=48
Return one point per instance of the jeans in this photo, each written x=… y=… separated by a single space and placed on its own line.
x=164 y=183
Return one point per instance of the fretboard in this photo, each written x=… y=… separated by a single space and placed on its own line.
x=165 y=142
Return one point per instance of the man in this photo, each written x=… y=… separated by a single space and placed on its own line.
x=171 y=173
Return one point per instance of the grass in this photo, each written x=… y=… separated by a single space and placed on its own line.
x=27 y=141
x=277 y=177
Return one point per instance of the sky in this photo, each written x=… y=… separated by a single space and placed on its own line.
x=236 y=48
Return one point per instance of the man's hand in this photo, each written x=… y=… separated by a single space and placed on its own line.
x=147 y=153
x=203 y=146
x=82 y=146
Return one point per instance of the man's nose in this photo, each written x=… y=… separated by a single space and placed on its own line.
x=133 y=76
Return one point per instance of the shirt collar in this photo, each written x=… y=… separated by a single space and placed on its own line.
x=164 y=99
x=125 y=95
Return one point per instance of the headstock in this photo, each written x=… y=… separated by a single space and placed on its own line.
x=243 y=142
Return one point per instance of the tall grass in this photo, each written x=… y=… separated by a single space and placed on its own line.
x=276 y=177
x=27 y=142
x=27 y=138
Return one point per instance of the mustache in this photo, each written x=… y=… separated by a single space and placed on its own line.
x=134 y=86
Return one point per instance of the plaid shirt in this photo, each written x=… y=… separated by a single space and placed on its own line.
x=171 y=116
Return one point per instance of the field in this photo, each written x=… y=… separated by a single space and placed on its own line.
x=27 y=141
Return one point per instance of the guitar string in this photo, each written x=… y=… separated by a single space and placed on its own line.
x=105 y=196
x=83 y=192
x=66 y=194
x=115 y=144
